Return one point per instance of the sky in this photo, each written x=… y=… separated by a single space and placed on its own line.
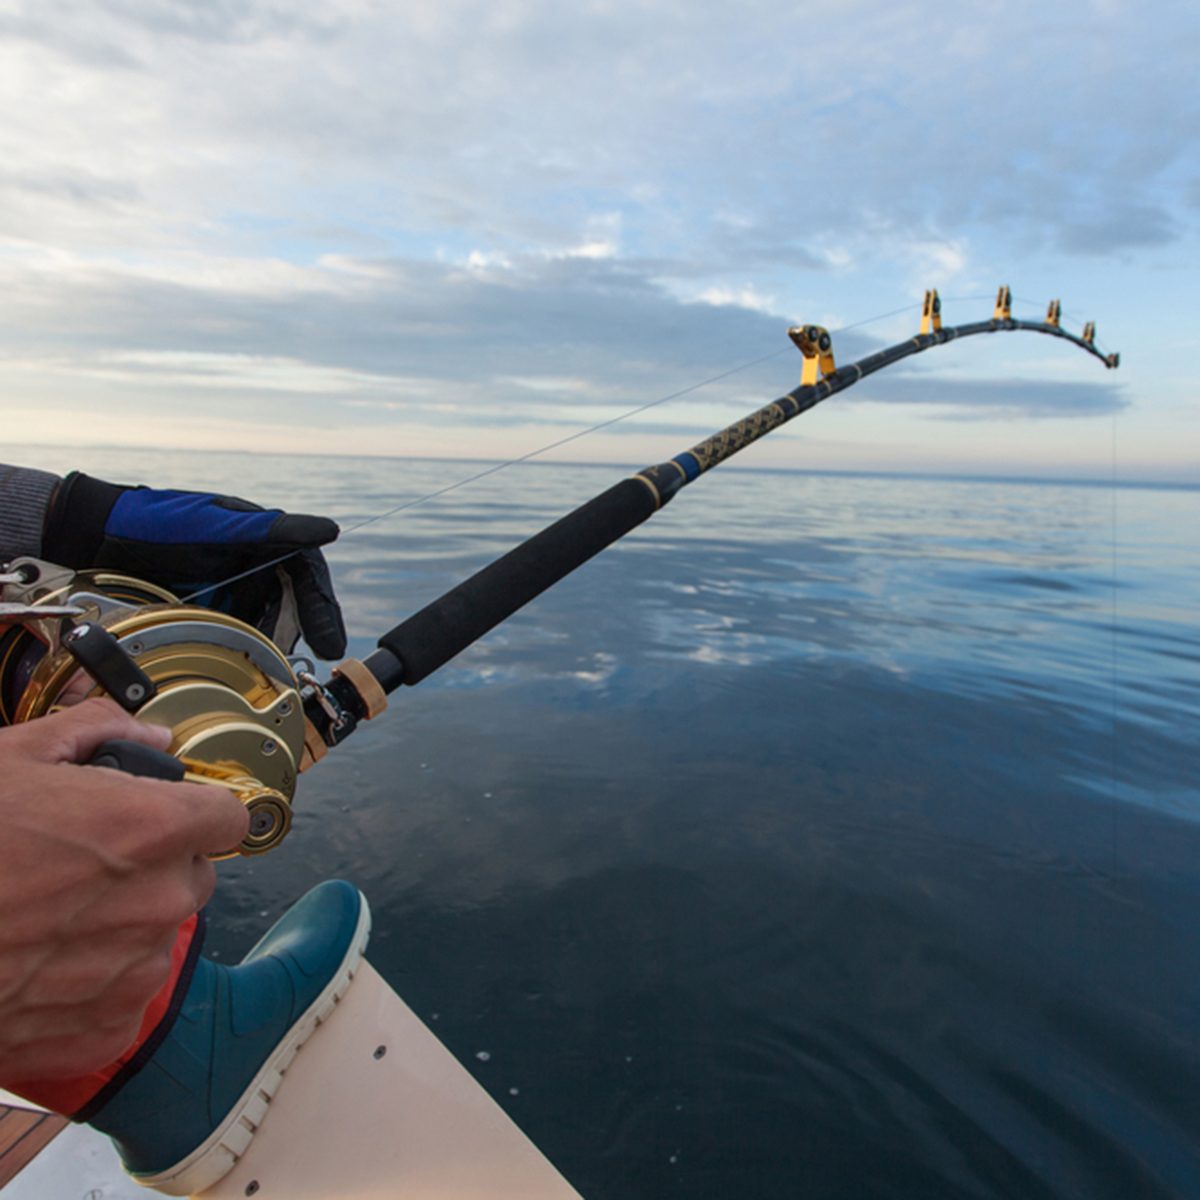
x=469 y=229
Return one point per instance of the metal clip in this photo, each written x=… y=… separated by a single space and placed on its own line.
x=26 y=580
x=98 y=604
x=34 y=612
x=336 y=720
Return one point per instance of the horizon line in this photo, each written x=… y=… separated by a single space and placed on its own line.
x=951 y=476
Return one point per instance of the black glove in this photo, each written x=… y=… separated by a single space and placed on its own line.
x=191 y=542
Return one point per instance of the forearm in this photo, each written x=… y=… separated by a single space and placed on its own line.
x=98 y=872
x=24 y=496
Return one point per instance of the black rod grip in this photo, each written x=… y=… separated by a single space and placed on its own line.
x=417 y=647
x=452 y=622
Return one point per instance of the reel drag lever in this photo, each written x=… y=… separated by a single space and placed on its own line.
x=105 y=660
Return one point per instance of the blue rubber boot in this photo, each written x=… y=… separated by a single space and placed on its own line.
x=184 y=1117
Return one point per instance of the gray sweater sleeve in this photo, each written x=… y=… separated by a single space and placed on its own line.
x=24 y=497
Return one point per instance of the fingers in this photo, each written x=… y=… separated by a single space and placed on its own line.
x=136 y=821
x=302 y=530
x=77 y=690
x=217 y=819
x=318 y=611
x=74 y=735
x=155 y=817
x=189 y=819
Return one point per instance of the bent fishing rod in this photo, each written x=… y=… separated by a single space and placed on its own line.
x=246 y=716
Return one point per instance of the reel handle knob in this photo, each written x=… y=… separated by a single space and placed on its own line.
x=135 y=759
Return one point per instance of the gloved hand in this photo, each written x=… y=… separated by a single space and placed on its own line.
x=190 y=541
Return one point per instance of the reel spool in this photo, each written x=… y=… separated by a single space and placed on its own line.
x=228 y=694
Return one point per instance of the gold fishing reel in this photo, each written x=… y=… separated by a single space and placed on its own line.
x=230 y=697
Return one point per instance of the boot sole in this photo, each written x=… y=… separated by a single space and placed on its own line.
x=214 y=1158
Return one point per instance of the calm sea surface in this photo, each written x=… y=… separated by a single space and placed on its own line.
x=830 y=837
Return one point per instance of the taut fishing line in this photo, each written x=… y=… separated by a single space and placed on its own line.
x=581 y=433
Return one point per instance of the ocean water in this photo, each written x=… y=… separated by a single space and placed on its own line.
x=831 y=836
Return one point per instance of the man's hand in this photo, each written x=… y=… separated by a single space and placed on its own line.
x=196 y=543
x=98 y=869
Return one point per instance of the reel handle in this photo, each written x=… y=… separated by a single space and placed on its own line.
x=136 y=759
x=270 y=811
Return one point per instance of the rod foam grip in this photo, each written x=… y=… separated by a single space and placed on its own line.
x=442 y=629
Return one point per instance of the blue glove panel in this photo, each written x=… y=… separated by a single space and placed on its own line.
x=179 y=518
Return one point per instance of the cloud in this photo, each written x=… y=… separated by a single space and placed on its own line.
x=561 y=340
x=525 y=210
x=572 y=317
x=1128 y=225
x=991 y=399
x=525 y=118
x=93 y=36
x=747 y=296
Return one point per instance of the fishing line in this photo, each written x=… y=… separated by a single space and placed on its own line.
x=511 y=462
x=1036 y=304
x=1115 y=806
x=1113 y=757
x=581 y=433
x=491 y=470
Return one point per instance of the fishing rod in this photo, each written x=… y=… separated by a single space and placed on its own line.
x=247 y=717
x=418 y=646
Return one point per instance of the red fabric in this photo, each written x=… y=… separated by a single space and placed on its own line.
x=68 y=1096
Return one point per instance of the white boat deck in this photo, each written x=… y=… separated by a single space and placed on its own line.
x=373 y=1108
